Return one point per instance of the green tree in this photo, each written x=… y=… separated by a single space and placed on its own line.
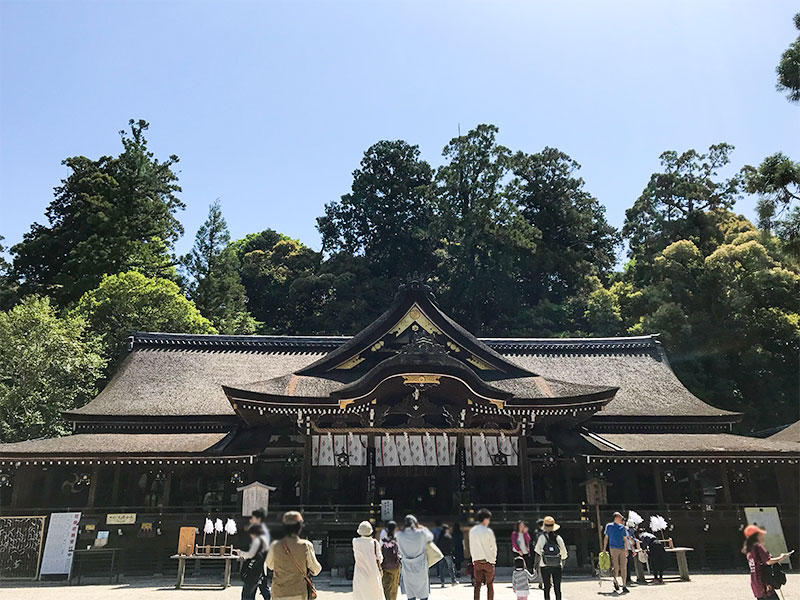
x=48 y=364
x=109 y=215
x=213 y=281
x=130 y=301
x=728 y=318
x=777 y=182
x=577 y=245
x=789 y=68
x=681 y=202
x=386 y=216
x=271 y=265
x=484 y=241
x=7 y=283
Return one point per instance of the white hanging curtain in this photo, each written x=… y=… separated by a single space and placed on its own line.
x=492 y=451
x=326 y=448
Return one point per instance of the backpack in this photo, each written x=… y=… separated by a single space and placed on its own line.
x=391 y=554
x=551 y=553
x=253 y=568
x=773 y=575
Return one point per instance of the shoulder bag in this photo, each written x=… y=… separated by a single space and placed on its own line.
x=312 y=591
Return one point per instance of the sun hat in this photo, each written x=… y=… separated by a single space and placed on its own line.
x=752 y=529
x=549 y=524
x=364 y=529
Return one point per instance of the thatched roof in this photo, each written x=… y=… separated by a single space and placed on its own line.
x=788 y=434
x=99 y=444
x=171 y=375
x=688 y=443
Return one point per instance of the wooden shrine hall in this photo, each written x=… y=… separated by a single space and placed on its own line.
x=413 y=414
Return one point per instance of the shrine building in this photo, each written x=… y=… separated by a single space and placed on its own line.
x=414 y=414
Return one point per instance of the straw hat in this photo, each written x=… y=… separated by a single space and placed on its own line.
x=364 y=529
x=549 y=524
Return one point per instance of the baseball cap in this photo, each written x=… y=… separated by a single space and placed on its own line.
x=752 y=529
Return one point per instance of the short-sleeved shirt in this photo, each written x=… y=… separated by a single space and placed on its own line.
x=757 y=558
x=616 y=535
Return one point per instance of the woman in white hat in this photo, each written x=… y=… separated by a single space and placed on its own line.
x=367 y=574
x=550 y=546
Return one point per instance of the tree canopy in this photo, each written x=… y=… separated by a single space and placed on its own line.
x=513 y=243
x=48 y=364
x=213 y=280
x=130 y=301
x=789 y=68
x=109 y=215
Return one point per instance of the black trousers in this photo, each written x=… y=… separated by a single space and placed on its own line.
x=249 y=588
x=551 y=575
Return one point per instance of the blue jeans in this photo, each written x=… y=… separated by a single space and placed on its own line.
x=444 y=567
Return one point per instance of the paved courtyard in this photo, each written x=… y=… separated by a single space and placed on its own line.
x=702 y=587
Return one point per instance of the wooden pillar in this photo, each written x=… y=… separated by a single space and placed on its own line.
x=658 y=480
x=525 y=470
x=727 y=498
x=93 y=487
x=19 y=487
x=305 y=475
x=167 y=488
x=115 y=496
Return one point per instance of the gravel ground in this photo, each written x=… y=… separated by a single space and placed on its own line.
x=702 y=587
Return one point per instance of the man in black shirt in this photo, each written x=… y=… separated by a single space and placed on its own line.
x=447 y=545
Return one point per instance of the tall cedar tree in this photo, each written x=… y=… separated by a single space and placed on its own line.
x=386 y=216
x=109 y=215
x=577 y=245
x=485 y=244
x=777 y=182
x=213 y=282
x=677 y=203
x=789 y=68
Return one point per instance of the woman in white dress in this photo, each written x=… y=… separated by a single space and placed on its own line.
x=367 y=583
x=412 y=542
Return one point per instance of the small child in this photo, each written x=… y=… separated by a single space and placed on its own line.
x=521 y=577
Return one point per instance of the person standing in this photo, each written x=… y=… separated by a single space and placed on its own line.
x=390 y=564
x=553 y=552
x=615 y=539
x=757 y=559
x=367 y=578
x=252 y=569
x=537 y=560
x=258 y=517
x=630 y=547
x=291 y=560
x=458 y=551
x=447 y=546
x=521 y=542
x=412 y=541
x=656 y=555
x=483 y=552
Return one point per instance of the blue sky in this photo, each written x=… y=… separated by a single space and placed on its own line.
x=270 y=104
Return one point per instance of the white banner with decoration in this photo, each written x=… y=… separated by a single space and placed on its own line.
x=415 y=451
x=334 y=450
x=492 y=451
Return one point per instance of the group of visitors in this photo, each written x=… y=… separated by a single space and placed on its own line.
x=625 y=543
x=406 y=553
x=291 y=561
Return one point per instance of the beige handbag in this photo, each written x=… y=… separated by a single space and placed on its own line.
x=433 y=554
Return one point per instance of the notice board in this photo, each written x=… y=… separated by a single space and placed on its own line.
x=20 y=546
x=62 y=533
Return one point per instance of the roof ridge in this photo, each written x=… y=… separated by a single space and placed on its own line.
x=145 y=338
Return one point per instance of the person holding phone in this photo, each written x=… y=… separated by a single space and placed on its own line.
x=757 y=559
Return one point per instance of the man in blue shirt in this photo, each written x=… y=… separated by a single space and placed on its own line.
x=615 y=541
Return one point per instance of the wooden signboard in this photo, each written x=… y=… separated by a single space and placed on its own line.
x=255 y=495
x=20 y=547
x=186 y=539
